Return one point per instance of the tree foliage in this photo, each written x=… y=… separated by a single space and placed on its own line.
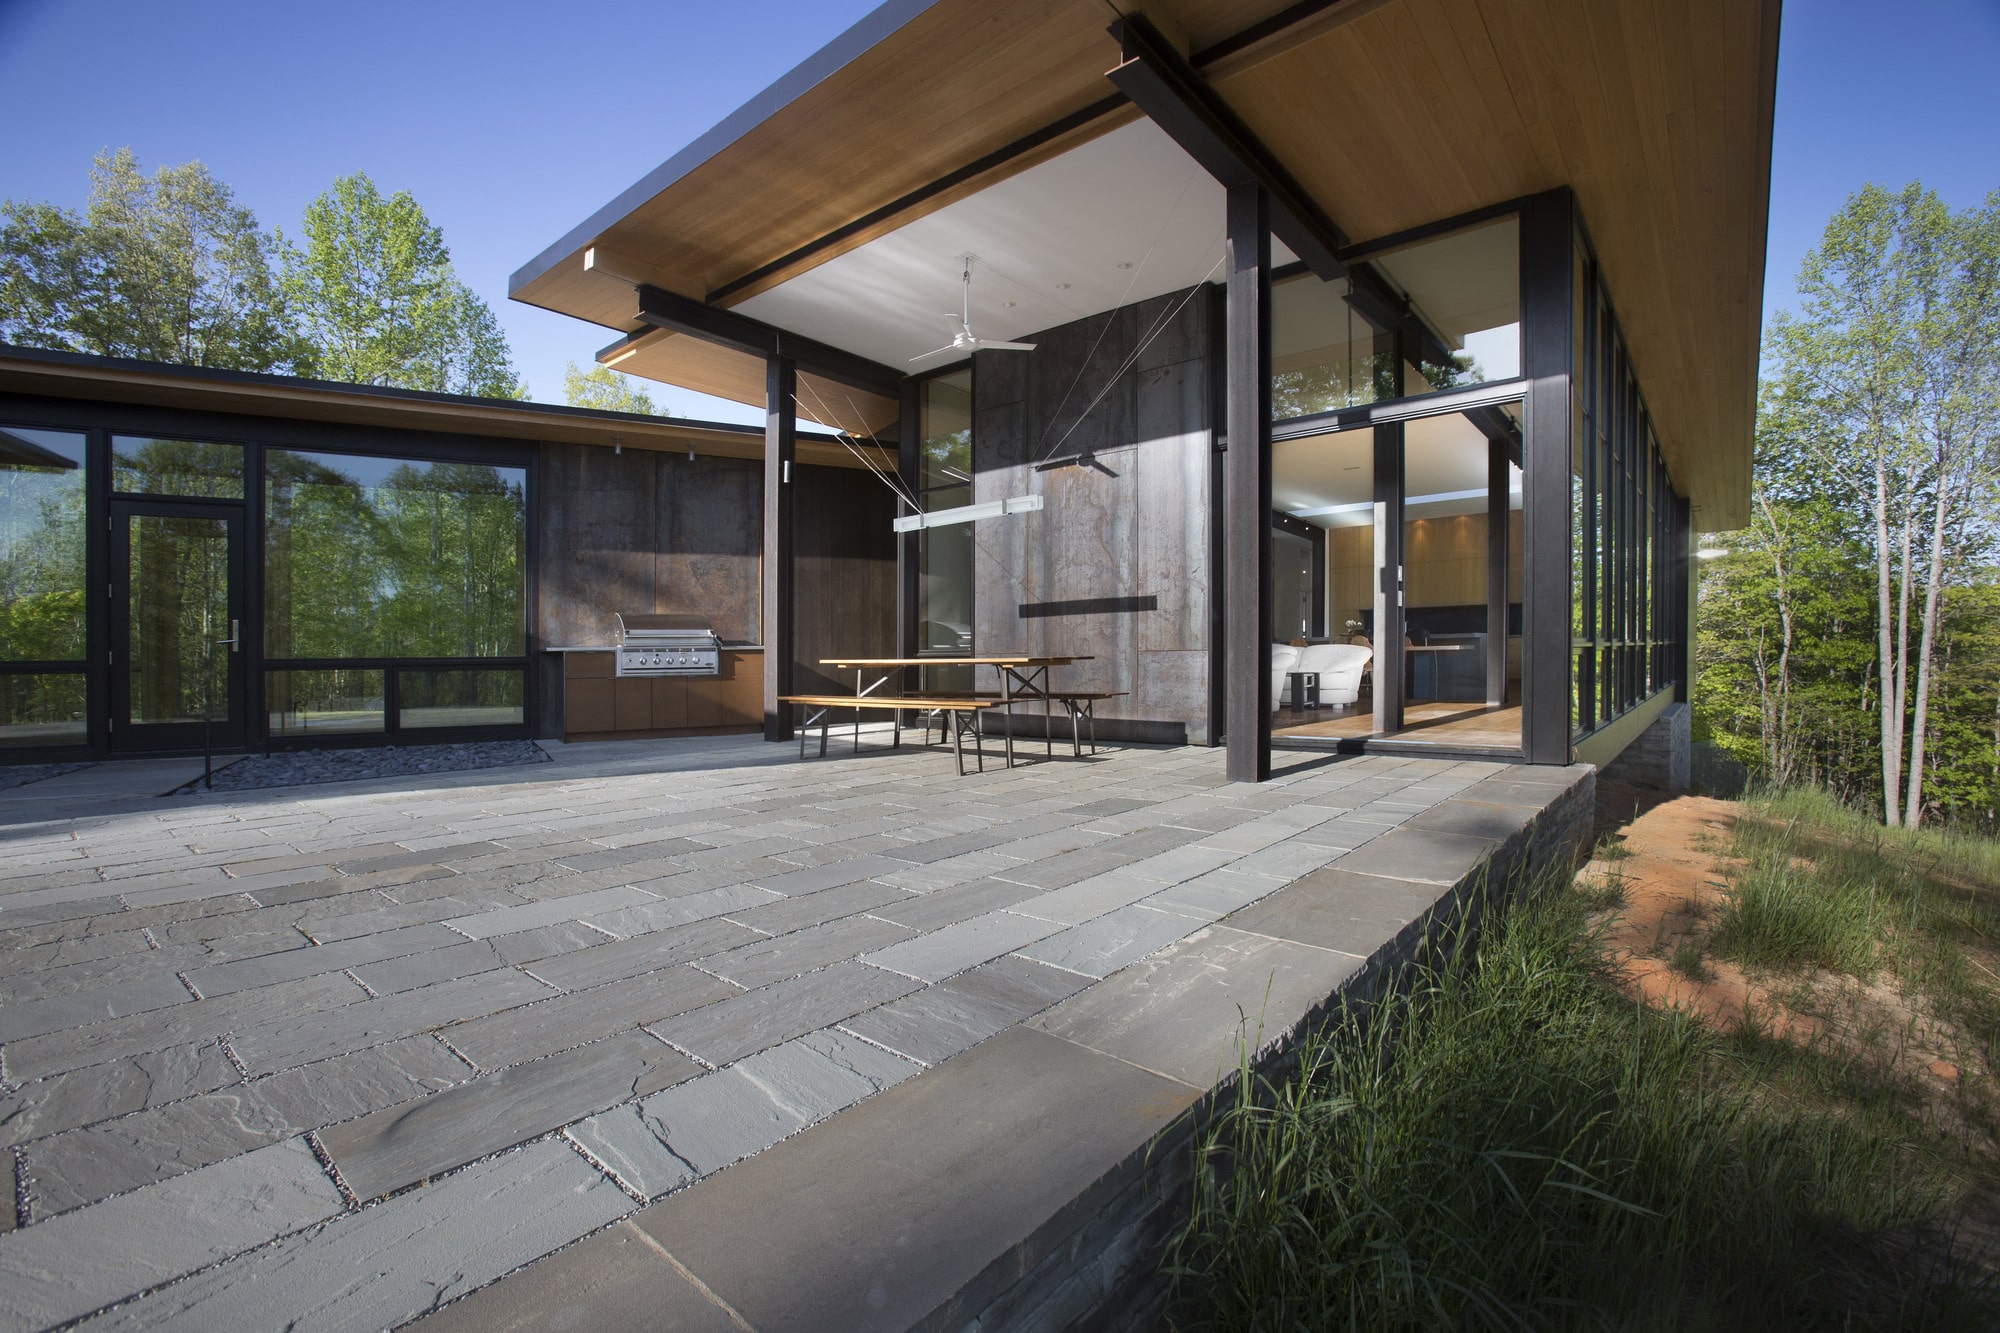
x=166 y=267
x=1848 y=638
x=605 y=389
x=378 y=302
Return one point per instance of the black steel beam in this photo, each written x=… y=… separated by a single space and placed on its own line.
x=780 y=457
x=1390 y=660
x=1162 y=83
x=682 y=314
x=1499 y=515
x=1246 y=574
x=1548 y=345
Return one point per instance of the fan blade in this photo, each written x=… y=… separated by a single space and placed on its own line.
x=1005 y=347
x=940 y=351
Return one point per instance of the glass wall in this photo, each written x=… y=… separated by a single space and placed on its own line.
x=944 y=555
x=1440 y=314
x=44 y=692
x=1628 y=526
x=187 y=469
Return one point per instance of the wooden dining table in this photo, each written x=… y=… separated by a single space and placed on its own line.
x=1023 y=677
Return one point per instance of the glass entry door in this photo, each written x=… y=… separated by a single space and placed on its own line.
x=176 y=625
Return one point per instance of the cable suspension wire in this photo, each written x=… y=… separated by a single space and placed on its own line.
x=827 y=416
x=1084 y=365
x=1158 y=327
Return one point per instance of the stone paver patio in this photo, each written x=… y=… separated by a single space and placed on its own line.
x=340 y=1055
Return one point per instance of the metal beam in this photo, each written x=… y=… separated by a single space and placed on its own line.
x=1246 y=574
x=683 y=314
x=1499 y=515
x=780 y=457
x=1391 y=662
x=1162 y=83
x=1548 y=351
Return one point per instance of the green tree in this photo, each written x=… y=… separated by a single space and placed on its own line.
x=379 y=303
x=603 y=388
x=164 y=268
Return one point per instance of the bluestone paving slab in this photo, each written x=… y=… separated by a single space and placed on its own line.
x=380 y=1153
x=960 y=902
x=830 y=876
x=661 y=914
x=765 y=961
x=620 y=1142
x=638 y=853
x=552 y=1025
x=1478 y=819
x=1088 y=898
x=529 y=916
x=83 y=1096
x=430 y=967
x=744 y=1024
x=1214 y=895
x=398 y=860
x=938 y=1022
x=92 y=1163
x=373 y=1022
x=1336 y=908
x=386 y=1265
x=935 y=956
x=781 y=915
x=531 y=946
x=1101 y=946
x=1422 y=855
x=1187 y=1011
x=612 y=959
x=617 y=1279
x=291 y=964
x=73 y=1264
x=1021 y=1124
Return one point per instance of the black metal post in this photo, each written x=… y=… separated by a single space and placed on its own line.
x=1499 y=514
x=1246 y=576
x=1548 y=238
x=780 y=457
x=1391 y=662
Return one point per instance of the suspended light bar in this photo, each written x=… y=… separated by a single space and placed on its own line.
x=1019 y=504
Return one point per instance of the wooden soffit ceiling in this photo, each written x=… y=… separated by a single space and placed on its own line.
x=1392 y=113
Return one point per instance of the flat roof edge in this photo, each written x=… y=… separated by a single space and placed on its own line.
x=871 y=28
x=131 y=370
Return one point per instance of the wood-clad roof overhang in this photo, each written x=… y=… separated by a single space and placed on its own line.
x=1392 y=113
x=142 y=384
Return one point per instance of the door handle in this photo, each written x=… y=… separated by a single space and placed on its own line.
x=235 y=635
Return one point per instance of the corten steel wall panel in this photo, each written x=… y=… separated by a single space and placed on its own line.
x=1116 y=565
x=843 y=573
x=709 y=517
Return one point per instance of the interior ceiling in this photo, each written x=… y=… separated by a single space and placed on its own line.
x=1118 y=219
x=1329 y=480
x=1391 y=113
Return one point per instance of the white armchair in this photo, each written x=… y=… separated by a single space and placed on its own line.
x=1339 y=666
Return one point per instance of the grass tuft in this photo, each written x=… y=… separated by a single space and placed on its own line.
x=1509 y=1143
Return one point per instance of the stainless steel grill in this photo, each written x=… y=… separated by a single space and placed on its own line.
x=657 y=645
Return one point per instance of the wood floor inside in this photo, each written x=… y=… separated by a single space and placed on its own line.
x=1433 y=722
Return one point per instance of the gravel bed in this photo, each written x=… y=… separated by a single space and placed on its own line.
x=301 y=767
x=20 y=775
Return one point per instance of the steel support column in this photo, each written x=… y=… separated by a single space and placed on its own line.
x=1548 y=347
x=780 y=457
x=1391 y=662
x=1246 y=575
x=1498 y=515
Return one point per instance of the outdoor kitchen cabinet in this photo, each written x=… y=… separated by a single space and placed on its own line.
x=597 y=704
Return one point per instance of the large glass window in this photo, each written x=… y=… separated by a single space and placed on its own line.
x=41 y=545
x=1439 y=314
x=944 y=555
x=142 y=465
x=387 y=557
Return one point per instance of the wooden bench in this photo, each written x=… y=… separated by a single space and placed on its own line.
x=961 y=711
x=1081 y=705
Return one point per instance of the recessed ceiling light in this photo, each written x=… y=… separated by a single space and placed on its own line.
x=1012 y=304
x=1126 y=264
x=1062 y=286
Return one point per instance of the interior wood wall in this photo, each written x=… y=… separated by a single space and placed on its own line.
x=1444 y=564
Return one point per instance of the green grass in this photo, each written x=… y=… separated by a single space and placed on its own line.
x=1508 y=1143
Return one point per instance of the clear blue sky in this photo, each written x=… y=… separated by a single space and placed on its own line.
x=511 y=122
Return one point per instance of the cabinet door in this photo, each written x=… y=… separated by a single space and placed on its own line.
x=704 y=696
x=589 y=666
x=586 y=707
x=632 y=704
x=742 y=689
x=670 y=704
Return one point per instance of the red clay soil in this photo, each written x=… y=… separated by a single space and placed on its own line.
x=1672 y=875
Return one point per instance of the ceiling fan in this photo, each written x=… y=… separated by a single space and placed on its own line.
x=963 y=340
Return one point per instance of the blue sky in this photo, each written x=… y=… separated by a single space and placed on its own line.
x=511 y=122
